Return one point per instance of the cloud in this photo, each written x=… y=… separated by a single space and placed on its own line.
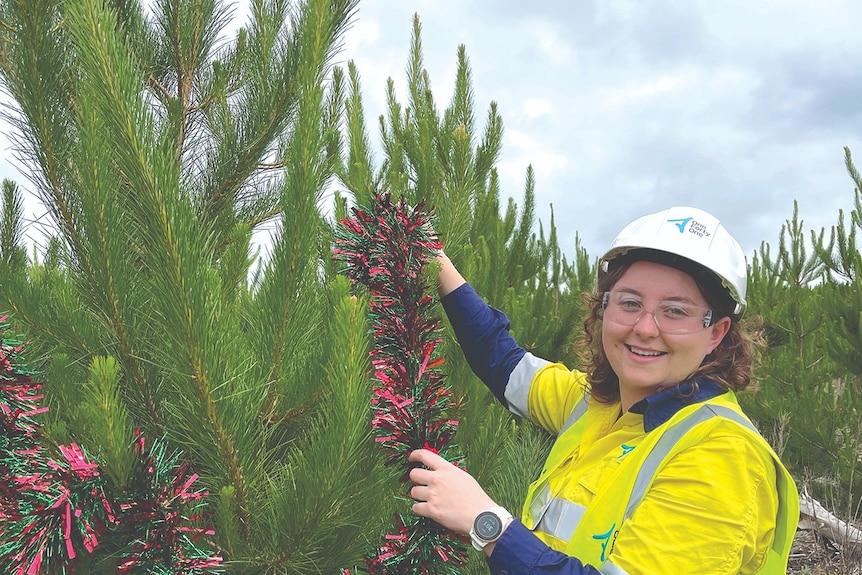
x=537 y=107
x=364 y=33
x=525 y=149
x=649 y=89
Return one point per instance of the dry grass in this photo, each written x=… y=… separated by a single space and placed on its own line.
x=813 y=555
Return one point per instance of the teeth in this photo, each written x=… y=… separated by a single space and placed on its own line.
x=644 y=352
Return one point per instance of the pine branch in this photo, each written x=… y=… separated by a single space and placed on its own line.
x=55 y=502
x=177 y=247
x=12 y=251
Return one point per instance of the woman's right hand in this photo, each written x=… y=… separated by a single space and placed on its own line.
x=446 y=493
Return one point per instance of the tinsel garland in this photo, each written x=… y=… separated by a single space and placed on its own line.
x=54 y=501
x=59 y=508
x=161 y=512
x=19 y=402
x=386 y=247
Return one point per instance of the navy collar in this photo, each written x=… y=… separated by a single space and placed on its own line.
x=662 y=405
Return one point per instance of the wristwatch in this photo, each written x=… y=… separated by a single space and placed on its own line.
x=488 y=526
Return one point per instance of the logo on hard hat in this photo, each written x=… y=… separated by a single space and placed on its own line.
x=695 y=228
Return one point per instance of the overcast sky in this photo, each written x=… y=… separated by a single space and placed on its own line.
x=625 y=107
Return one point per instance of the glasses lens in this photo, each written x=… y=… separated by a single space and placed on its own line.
x=671 y=317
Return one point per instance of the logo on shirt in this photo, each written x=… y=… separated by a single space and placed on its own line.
x=608 y=539
x=626 y=449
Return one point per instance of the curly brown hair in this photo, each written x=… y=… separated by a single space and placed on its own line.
x=730 y=364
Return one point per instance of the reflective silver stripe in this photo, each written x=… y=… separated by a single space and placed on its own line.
x=579 y=411
x=538 y=506
x=610 y=569
x=666 y=443
x=555 y=516
x=561 y=518
x=519 y=383
x=566 y=515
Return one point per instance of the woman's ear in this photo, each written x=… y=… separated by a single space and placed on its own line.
x=719 y=330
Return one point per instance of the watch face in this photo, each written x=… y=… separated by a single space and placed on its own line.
x=488 y=526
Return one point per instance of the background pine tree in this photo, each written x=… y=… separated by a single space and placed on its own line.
x=808 y=398
x=159 y=151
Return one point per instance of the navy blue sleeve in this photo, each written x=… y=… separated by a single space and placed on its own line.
x=483 y=333
x=492 y=353
x=520 y=552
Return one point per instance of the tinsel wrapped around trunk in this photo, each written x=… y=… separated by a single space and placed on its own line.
x=386 y=247
x=55 y=504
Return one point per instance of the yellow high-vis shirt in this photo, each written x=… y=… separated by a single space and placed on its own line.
x=712 y=497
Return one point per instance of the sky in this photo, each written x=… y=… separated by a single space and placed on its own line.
x=624 y=107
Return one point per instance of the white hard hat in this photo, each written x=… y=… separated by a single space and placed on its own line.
x=692 y=234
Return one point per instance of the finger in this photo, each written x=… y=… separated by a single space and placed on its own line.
x=427 y=458
x=421 y=508
x=419 y=493
x=420 y=476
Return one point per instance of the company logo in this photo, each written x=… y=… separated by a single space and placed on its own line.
x=608 y=538
x=695 y=228
x=626 y=450
x=680 y=223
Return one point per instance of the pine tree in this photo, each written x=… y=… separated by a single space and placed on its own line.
x=12 y=250
x=159 y=149
x=842 y=307
x=806 y=402
x=164 y=152
x=783 y=291
x=843 y=260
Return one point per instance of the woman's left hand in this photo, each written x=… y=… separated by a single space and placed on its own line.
x=446 y=493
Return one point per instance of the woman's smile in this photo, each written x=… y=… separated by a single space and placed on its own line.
x=642 y=352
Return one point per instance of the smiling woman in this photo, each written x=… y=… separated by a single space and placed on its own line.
x=655 y=468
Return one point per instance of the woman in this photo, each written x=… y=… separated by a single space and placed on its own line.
x=655 y=468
